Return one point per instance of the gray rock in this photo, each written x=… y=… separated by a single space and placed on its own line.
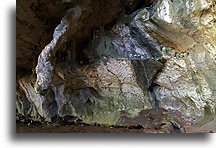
x=102 y=90
x=185 y=84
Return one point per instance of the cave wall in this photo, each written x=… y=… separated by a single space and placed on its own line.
x=113 y=59
x=36 y=21
x=186 y=33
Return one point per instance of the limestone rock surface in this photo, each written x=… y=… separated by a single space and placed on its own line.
x=111 y=62
x=186 y=33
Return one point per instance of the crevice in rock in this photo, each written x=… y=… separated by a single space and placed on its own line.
x=152 y=46
x=152 y=88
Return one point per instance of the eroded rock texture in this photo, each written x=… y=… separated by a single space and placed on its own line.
x=113 y=59
x=185 y=30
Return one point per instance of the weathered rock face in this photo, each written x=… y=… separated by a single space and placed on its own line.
x=109 y=85
x=185 y=30
x=37 y=19
x=159 y=56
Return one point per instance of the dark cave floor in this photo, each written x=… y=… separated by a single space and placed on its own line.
x=83 y=128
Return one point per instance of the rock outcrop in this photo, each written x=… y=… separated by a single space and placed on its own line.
x=112 y=82
x=185 y=31
x=110 y=60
